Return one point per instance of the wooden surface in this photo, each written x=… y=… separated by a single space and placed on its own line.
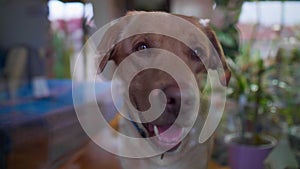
x=88 y=156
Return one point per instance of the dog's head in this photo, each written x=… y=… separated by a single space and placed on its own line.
x=140 y=31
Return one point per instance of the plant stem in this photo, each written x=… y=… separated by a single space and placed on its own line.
x=258 y=100
x=242 y=103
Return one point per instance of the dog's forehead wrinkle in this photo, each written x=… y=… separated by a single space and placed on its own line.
x=162 y=24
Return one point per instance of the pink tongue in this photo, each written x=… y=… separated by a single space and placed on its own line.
x=170 y=134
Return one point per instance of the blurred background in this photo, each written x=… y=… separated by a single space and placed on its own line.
x=39 y=42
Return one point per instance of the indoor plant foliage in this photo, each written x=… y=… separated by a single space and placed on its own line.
x=286 y=82
x=286 y=86
x=250 y=88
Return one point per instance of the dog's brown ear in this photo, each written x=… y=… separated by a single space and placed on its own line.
x=103 y=62
x=110 y=39
x=107 y=46
x=215 y=42
x=204 y=26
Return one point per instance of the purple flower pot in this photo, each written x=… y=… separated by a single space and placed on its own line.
x=248 y=156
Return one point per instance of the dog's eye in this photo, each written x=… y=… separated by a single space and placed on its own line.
x=141 y=46
x=196 y=54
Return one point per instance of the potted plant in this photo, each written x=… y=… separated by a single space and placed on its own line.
x=250 y=146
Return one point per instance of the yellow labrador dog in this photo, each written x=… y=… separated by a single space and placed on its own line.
x=161 y=40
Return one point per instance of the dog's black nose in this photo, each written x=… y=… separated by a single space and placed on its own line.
x=174 y=97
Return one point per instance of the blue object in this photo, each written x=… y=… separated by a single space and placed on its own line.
x=52 y=116
x=60 y=97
